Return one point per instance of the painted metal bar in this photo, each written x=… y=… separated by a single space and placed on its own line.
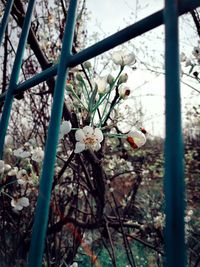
x=33 y=81
x=15 y=75
x=110 y=42
x=174 y=170
x=43 y=203
x=5 y=18
x=128 y=33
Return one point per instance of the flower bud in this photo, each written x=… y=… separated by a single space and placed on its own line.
x=136 y=139
x=124 y=91
x=8 y=140
x=110 y=79
x=123 y=78
x=101 y=84
x=87 y=65
x=69 y=87
x=79 y=77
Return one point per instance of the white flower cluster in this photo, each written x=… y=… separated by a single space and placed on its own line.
x=87 y=137
x=19 y=203
x=36 y=154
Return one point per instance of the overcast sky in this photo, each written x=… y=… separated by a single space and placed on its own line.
x=107 y=17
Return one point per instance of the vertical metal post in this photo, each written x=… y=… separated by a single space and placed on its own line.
x=174 y=174
x=15 y=75
x=42 y=209
x=5 y=18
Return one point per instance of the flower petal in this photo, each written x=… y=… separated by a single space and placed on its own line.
x=65 y=128
x=101 y=85
x=129 y=58
x=24 y=201
x=18 y=207
x=15 y=204
x=138 y=137
x=123 y=58
x=117 y=58
x=88 y=130
x=80 y=135
x=97 y=147
x=79 y=147
x=98 y=134
x=37 y=154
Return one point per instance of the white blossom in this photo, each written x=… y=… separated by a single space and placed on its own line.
x=110 y=79
x=13 y=172
x=190 y=212
x=19 y=203
x=124 y=91
x=7 y=167
x=136 y=138
x=159 y=221
x=123 y=58
x=37 y=154
x=87 y=65
x=65 y=128
x=8 y=140
x=21 y=153
x=123 y=78
x=101 y=84
x=22 y=177
x=88 y=138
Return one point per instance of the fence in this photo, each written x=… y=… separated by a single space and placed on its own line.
x=174 y=178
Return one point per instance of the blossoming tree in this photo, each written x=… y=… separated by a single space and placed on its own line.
x=97 y=173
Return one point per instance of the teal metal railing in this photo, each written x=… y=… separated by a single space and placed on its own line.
x=174 y=178
x=174 y=175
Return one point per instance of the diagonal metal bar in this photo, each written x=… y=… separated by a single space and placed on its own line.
x=174 y=170
x=15 y=75
x=128 y=33
x=5 y=18
x=33 y=81
x=110 y=42
x=43 y=203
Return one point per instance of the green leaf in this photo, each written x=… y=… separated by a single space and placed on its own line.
x=92 y=99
